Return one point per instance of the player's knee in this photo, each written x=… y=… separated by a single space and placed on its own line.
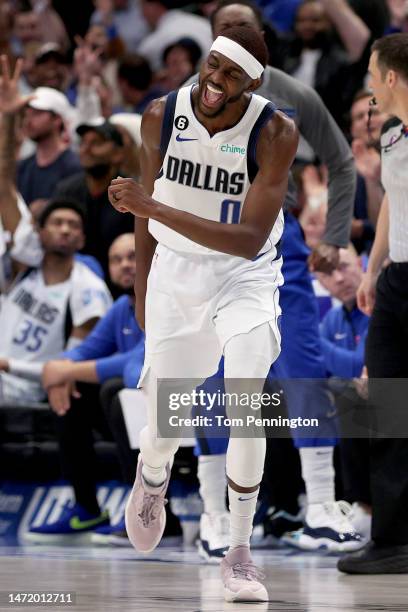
x=240 y=489
x=240 y=471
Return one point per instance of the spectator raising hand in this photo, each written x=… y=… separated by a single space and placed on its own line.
x=324 y=257
x=87 y=61
x=313 y=216
x=315 y=186
x=367 y=159
x=11 y=101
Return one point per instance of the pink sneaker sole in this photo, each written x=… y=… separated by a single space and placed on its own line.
x=243 y=595
x=135 y=530
x=240 y=577
x=144 y=538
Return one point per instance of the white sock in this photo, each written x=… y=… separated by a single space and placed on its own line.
x=242 y=507
x=213 y=482
x=154 y=476
x=318 y=474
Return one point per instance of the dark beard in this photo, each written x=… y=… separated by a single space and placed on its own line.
x=40 y=138
x=62 y=253
x=129 y=290
x=117 y=291
x=98 y=171
x=320 y=41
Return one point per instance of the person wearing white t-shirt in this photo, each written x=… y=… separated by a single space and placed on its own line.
x=48 y=307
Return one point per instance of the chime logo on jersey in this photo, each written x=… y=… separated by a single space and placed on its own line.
x=231 y=148
x=208 y=178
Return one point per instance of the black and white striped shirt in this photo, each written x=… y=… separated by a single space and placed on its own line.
x=394 y=142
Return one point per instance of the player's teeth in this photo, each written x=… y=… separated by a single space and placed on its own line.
x=213 y=90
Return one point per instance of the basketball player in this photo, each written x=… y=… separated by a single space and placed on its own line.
x=326 y=526
x=384 y=294
x=216 y=158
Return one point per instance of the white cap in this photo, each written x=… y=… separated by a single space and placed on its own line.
x=50 y=49
x=49 y=99
x=131 y=122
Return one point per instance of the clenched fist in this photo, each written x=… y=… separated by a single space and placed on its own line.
x=126 y=195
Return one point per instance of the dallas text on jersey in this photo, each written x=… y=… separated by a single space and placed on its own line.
x=207 y=177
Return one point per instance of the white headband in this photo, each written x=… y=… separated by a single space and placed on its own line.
x=239 y=55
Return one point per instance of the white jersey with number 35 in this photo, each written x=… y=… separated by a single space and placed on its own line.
x=33 y=316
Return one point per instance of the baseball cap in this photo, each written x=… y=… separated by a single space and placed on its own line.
x=48 y=50
x=131 y=122
x=103 y=127
x=52 y=100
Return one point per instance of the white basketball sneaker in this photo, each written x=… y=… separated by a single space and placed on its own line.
x=328 y=527
x=361 y=521
x=214 y=536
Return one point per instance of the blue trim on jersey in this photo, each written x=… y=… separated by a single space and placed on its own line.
x=278 y=247
x=290 y=112
x=263 y=118
x=167 y=125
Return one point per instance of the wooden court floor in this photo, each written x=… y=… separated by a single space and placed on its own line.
x=175 y=580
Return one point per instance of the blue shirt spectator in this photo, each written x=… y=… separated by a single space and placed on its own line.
x=344 y=328
x=116 y=343
x=343 y=334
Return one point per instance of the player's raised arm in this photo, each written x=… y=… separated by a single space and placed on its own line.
x=11 y=103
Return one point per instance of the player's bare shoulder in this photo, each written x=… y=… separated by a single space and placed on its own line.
x=277 y=146
x=283 y=126
x=152 y=120
x=279 y=135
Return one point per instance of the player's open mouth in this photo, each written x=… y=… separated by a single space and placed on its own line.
x=212 y=95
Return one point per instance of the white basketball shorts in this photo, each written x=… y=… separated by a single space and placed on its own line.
x=196 y=303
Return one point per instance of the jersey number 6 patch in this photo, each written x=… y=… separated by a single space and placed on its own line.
x=181 y=122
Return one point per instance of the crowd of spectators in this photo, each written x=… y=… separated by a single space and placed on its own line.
x=75 y=82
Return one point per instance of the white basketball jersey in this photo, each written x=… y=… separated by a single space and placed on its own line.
x=33 y=315
x=208 y=176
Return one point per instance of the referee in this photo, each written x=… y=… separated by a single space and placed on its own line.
x=384 y=294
